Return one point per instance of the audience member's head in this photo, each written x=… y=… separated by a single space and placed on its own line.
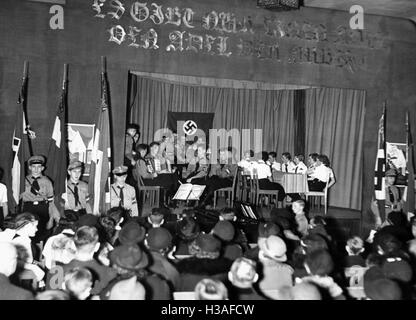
x=319 y=263
x=78 y=283
x=273 y=248
x=187 y=229
x=159 y=240
x=382 y=289
x=224 y=231
x=243 y=273
x=210 y=289
x=86 y=241
x=157 y=216
x=298 y=207
x=127 y=289
x=386 y=244
x=397 y=269
x=53 y=295
x=62 y=250
x=413 y=226
x=313 y=242
x=355 y=246
x=8 y=254
x=128 y=258
x=26 y=224
x=205 y=246
x=132 y=233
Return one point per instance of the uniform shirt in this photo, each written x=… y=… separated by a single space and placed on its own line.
x=3 y=194
x=45 y=191
x=141 y=170
x=83 y=195
x=288 y=167
x=300 y=168
x=200 y=168
x=223 y=171
x=263 y=170
x=129 y=198
x=322 y=173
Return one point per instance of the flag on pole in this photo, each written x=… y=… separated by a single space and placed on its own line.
x=100 y=172
x=380 y=168
x=58 y=147
x=410 y=168
x=21 y=142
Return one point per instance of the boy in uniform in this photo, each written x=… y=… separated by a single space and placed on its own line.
x=77 y=195
x=123 y=194
x=38 y=198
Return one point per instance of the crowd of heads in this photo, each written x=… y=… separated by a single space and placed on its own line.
x=115 y=256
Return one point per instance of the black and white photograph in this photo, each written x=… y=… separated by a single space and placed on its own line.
x=220 y=150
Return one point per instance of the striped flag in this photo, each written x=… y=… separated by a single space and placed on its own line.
x=21 y=143
x=58 y=147
x=410 y=168
x=100 y=173
x=379 y=178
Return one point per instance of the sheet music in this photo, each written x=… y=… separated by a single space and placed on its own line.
x=188 y=191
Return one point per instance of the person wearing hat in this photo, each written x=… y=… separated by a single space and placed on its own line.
x=77 y=195
x=38 y=197
x=272 y=257
x=159 y=242
x=129 y=261
x=243 y=276
x=393 y=200
x=123 y=194
x=205 y=262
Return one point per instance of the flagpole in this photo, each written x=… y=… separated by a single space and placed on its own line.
x=23 y=100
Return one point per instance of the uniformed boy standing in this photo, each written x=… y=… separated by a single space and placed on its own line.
x=38 y=197
x=123 y=194
x=77 y=195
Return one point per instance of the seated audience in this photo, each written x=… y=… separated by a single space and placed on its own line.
x=78 y=283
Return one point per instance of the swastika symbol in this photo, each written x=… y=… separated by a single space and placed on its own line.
x=189 y=127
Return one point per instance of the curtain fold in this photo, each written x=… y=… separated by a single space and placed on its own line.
x=335 y=127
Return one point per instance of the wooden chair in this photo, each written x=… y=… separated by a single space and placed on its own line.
x=152 y=192
x=259 y=193
x=319 y=195
x=230 y=191
x=244 y=186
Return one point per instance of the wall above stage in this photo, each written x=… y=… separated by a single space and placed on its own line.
x=224 y=39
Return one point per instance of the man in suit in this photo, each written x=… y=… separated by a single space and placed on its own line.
x=8 y=291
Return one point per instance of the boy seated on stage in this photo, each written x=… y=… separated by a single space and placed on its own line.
x=287 y=164
x=272 y=161
x=300 y=165
x=122 y=194
x=321 y=175
x=77 y=196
